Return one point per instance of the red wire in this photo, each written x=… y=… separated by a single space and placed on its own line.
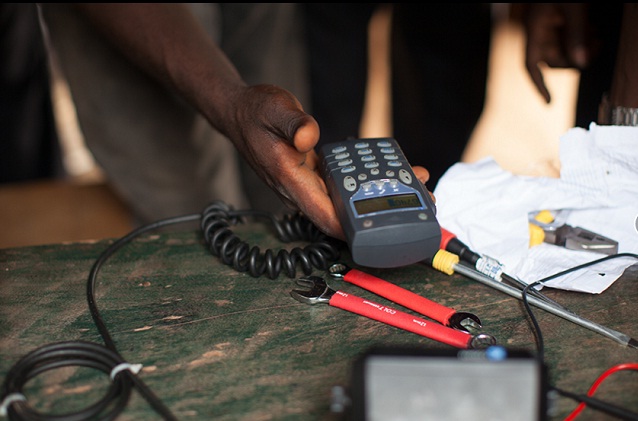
x=594 y=386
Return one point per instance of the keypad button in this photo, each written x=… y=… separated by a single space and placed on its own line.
x=349 y=183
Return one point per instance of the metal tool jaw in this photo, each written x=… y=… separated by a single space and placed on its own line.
x=338 y=270
x=576 y=238
x=482 y=341
x=315 y=290
x=465 y=321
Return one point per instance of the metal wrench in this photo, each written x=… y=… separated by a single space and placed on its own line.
x=447 y=316
x=316 y=291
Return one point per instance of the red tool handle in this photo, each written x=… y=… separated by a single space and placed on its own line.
x=401 y=320
x=399 y=295
x=446 y=237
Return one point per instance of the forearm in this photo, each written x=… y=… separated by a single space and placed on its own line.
x=266 y=123
x=624 y=89
x=168 y=42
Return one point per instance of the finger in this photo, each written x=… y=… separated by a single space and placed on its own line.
x=285 y=117
x=537 y=79
x=312 y=160
x=324 y=216
x=310 y=195
x=307 y=134
x=533 y=56
x=432 y=197
x=421 y=173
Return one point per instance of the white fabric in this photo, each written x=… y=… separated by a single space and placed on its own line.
x=487 y=207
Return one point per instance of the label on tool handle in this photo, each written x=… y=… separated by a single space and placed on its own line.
x=399 y=295
x=401 y=320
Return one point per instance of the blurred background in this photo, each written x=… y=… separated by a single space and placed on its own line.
x=517 y=129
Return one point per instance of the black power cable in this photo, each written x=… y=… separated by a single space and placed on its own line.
x=215 y=224
x=616 y=411
x=528 y=288
x=596 y=404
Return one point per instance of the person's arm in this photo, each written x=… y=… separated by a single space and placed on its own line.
x=266 y=123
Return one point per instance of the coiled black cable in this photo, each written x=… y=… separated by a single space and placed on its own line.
x=225 y=244
x=67 y=354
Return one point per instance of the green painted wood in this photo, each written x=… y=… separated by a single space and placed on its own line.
x=218 y=344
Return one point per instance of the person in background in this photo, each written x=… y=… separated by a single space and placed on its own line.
x=29 y=148
x=99 y=44
x=439 y=62
x=583 y=36
x=160 y=89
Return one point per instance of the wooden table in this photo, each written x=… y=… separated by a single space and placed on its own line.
x=219 y=344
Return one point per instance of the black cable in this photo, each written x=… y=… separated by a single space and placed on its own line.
x=144 y=390
x=522 y=285
x=215 y=222
x=225 y=244
x=106 y=254
x=537 y=329
x=584 y=265
x=66 y=354
x=528 y=308
x=594 y=403
x=87 y=354
x=599 y=405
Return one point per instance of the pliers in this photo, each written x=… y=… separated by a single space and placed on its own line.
x=316 y=291
x=550 y=227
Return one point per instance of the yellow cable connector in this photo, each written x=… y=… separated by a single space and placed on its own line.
x=445 y=261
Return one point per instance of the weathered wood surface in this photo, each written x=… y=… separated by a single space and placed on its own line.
x=218 y=344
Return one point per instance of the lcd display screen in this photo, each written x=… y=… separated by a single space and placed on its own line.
x=378 y=204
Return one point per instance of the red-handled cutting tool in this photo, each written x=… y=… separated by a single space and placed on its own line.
x=317 y=291
x=447 y=316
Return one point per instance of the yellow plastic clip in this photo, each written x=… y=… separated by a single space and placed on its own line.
x=537 y=233
x=444 y=261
